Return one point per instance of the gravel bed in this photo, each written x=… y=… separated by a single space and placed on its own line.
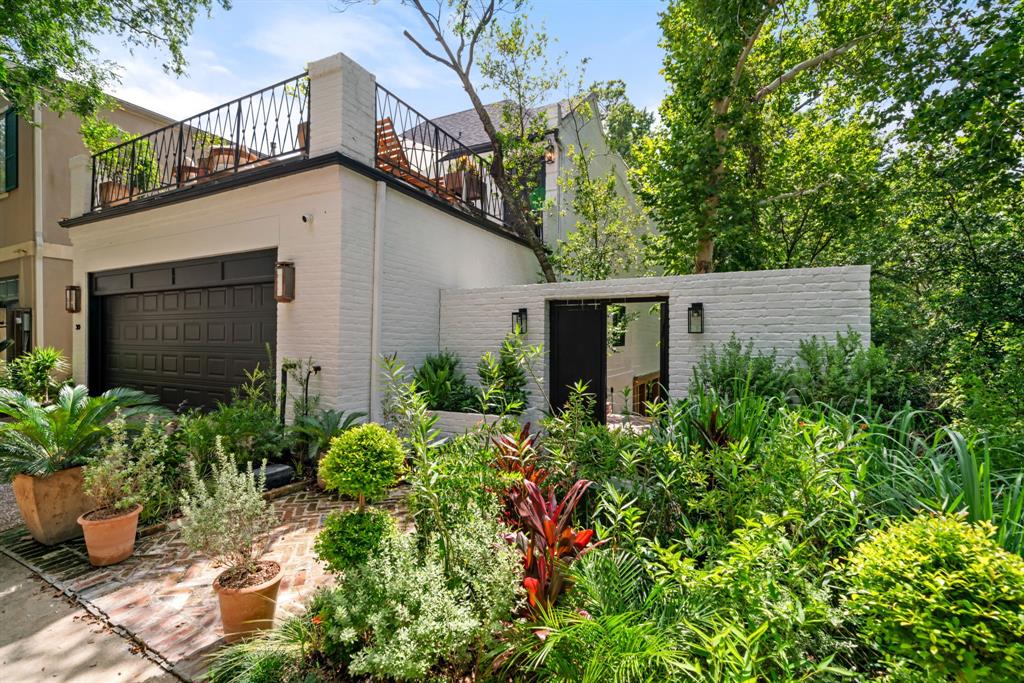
x=9 y=515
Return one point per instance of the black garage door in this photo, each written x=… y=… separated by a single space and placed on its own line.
x=186 y=332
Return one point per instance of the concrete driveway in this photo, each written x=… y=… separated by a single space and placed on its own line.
x=44 y=638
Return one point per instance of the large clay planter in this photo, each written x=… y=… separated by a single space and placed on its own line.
x=113 y=193
x=111 y=540
x=51 y=505
x=243 y=611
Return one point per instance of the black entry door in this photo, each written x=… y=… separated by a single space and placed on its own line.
x=578 y=339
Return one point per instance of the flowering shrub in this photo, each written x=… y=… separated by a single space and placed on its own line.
x=402 y=614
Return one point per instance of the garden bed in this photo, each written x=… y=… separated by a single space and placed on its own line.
x=161 y=596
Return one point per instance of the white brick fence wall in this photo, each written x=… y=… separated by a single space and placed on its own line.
x=774 y=309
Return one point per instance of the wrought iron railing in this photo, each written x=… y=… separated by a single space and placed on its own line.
x=416 y=150
x=266 y=126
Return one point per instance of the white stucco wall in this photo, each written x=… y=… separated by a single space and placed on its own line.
x=774 y=309
x=582 y=134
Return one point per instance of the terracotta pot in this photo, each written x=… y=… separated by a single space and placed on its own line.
x=465 y=185
x=112 y=193
x=243 y=611
x=110 y=540
x=51 y=505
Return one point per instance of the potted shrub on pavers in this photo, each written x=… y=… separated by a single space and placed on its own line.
x=362 y=463
x=119 y=481
x=43 y=448
x=228 y=519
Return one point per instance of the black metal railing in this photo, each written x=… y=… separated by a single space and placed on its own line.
x=414 y=149
x=252 y=131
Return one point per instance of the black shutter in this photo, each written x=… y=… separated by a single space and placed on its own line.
x=10 y=150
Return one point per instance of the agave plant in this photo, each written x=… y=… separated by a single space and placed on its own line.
x=43 y=439
x=548 y=542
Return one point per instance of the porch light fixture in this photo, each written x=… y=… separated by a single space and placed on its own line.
x=695 y=318
x=519 y=320
x=549 y=151
x=284 y=282
x=72 y=298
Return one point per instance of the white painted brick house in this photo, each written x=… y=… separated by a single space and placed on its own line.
x=395 y=247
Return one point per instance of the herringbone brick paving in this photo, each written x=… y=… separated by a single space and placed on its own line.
x=163 y=594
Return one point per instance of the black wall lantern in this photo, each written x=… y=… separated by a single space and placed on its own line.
x=72 y=298
x=519 y=320
x=695 y=318
x=284 y=282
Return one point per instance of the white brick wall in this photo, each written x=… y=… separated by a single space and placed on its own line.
x=774 y=309
x=341 y=102
x=261 y=216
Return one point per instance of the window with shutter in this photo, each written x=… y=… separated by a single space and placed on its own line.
x=9 y=151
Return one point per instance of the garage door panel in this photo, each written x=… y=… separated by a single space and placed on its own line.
x=187 y=346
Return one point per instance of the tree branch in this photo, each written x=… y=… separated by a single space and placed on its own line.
x=797 y=193
x=808 y=64
x=426 y=51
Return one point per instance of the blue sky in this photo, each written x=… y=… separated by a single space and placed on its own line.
x=259 y=42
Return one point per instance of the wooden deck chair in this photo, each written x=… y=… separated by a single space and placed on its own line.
x=391 y=158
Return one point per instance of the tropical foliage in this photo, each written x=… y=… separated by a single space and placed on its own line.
x=41 y=439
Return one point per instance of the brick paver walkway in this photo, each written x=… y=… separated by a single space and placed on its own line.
x=163 y=597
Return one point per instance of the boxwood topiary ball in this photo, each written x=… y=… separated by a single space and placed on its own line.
x=364 y=461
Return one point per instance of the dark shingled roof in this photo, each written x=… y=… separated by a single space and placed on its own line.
x=465 y=125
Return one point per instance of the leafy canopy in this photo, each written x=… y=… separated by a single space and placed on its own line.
x=48 y=52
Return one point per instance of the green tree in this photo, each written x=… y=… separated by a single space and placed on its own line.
x=48 y=53
x=511 y=58
x=748 y=81
x=608 y=239
x=625 y=124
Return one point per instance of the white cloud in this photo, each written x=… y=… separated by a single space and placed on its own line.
x=377 y=45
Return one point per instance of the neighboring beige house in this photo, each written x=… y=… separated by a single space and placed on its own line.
x=35 y=251
x=323 y=217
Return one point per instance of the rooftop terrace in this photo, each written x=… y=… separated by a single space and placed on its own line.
x=271 y=126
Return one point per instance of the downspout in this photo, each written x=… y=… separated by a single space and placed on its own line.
x=37 y=214
x=379 y=206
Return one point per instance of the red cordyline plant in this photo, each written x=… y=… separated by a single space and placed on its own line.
x=547 y=540
x=516 y=454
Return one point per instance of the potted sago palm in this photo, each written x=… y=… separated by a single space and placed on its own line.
x=118 y=481
x=227 y=519
x=43 y=448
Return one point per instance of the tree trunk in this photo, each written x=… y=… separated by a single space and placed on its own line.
x=704 y=261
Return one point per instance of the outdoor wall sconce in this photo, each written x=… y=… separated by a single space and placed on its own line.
x=284 y=282
x=519 y=320
x=549 y=152
x=695 y=318
x=72 y=298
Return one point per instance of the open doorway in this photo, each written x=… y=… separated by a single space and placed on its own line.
x=618 y=348
x=634 y=374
